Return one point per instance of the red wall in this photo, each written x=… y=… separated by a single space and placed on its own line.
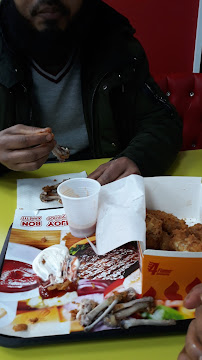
x=166 y=29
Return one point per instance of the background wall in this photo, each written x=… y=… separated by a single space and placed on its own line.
x=166 y=29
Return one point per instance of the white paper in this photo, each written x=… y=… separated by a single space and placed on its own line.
x=121 y=214
x=179 y=195
x=29 y=190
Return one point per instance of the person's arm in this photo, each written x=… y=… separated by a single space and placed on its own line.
x=193 y=343
x=25 y=148
x=158 y=136
x=156 y=143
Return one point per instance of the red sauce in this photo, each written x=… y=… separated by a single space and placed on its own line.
x=48 y=294
x=17 y=276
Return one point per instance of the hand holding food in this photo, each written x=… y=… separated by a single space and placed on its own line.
x=193 y=343
x=25 y=148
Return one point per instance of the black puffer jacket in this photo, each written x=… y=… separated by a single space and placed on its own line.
x=126 y=113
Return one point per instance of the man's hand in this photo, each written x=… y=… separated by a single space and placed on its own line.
x=25 y=148
x=193 y=343
x=114 y=170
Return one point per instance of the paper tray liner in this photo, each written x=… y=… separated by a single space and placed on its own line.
x=16 y=341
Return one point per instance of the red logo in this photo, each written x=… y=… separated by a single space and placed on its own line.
x=154 y=269
x=57 y=220
x=31 y=221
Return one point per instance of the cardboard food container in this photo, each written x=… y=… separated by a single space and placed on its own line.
x=172 y=274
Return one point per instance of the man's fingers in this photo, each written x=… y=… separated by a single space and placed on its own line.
x=126 y=173
x=183 y=355
x=35 y=165
x=31 y=154
x=194 y=298
x=97 y=173
x=110 y=174
x=114 y=170
x=198 y=323
x=11 y=142
x=107 y=173
x=27 y=159
x=26 y=130
x=22 y=136
x=193 y=343
x=193 y=346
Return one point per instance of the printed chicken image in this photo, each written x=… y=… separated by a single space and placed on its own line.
x=166 y=232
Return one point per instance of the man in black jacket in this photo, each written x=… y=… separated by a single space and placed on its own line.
x=74 y=68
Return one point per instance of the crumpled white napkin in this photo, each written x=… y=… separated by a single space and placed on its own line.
x=121 y=214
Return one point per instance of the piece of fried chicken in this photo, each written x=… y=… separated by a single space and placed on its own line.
x=170 y=222
x=196 y=230
x=153 y=231
x=165 y=241
x=182 y=240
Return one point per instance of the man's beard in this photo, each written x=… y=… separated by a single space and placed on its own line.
x=51 y=46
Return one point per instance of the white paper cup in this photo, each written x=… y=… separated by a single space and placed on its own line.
x=80 y=201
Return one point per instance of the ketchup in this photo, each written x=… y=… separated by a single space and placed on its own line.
x=17 y=276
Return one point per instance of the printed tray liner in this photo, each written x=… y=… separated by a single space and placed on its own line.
x=30 y=320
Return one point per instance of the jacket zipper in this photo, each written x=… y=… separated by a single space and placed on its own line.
x=30 y=116
x=93 y=98
x=92 y=105
x=161 y=100
x=30 y=112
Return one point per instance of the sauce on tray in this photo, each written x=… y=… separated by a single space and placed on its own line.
x=17 y=276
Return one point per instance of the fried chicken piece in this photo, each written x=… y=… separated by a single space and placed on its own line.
x=196 y=230
x=165 y=241
x=182 y=240
x=153 y=231
x=61 y=153
x=170 y=222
